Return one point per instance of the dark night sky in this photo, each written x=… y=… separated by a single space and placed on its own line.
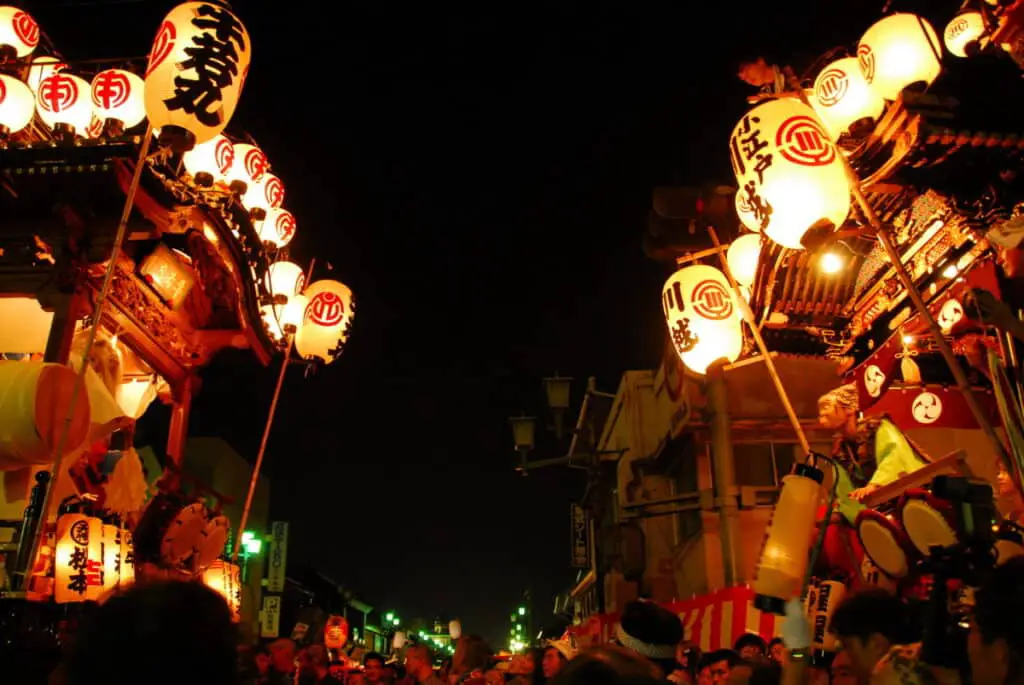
x=479 y=174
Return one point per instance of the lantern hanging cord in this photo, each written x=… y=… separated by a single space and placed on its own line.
x=101 y=299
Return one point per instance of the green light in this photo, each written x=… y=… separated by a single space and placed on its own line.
x=389 y=617
x=252 y=544
x=522 y=611
x=395 y=620
x=519 y=627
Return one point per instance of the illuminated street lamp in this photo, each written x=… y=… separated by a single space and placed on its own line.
x=557 y=390
x=524 y=429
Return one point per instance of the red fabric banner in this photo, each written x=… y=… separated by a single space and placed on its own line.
x=934 y=406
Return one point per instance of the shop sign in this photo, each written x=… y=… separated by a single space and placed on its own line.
x=580 y=533
x=270 y=617
x=278 y=556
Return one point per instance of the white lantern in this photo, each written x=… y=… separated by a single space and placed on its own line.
x=398 y=641
x=455 y=629
x=743 y=256
x=966 y=28
x=842 y=96
x=41 y=68
x=225 y=579
x=255 y=200
x=78 y=559
x=745 y=212
x=270 y=314
x=247 y=165
x=273 y=190
x=897 y=51
x=290 y=315
x=278 y=227
x=119 y=94
x=63 y=99
x=285 y=278
x=17 y=104
x=210 y=162
x=18 y=32
x=328 y=318
x=702 y=317
x=789 y=172
x=197 y=67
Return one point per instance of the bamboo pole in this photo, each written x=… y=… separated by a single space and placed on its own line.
x=769 y=363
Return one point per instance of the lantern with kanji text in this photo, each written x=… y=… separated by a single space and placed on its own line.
x=40 y=68
x=225 y=579
x=118 y=99
x=248 y=165
x=745 y=212
x=210 y=162
x=17 y=104
x=842 y=97
x=79 y=570
x=897 y=51
x=789 y=173
x=64 y=104
x=263 y=195
x=19 y=33
x=702 y=317
x=327 y=321
x=963 y=33
x=196 y=71
x=277 y=227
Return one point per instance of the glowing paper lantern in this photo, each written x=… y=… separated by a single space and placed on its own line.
x=277 y=228
x=285 y=279
x=965 y=29
x=225 y=578
x=78 y=561
x=197 y=67
x=290 y=315
x=897 y=51
x=119 y=94
x=455 y=629
x=327 y=321
x=19 y=32
x=63 y=100
x=264 y=195
x=118 y=565
x=273 y=190
x=17 y=105
x=743 y=256
x=398 y=641
x=41 y=68
x=210 y=162
x=270 y=314
x=789 y=172
x=745 y=212
x=702 y=317
x=247 y=166
x=335 y=632
x=127 y=557
x=842 y=96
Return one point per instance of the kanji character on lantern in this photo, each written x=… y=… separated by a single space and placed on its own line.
x=842 y=97
x=210 y=162
x=19 y=33
x=78 y=561
x=702 y=317
x=63 y=103
x=277 y=228
x=118 y=95
x=897 y=51
x=248 y=165
x=17 y=104
x=327 y=321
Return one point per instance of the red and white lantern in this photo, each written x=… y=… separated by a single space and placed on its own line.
x=197 y=67
x=842 y=96
x=702 y=317
x=278 y=228
x=41 y=68
x=327 y=321
x=285 y=279
x=897 y=51
x=19 y=32
x=789 y=172
x=63 y=100
x=79 y=570
x=248 y=165
x=119 y=94
x=17 y=104
x=210 y=162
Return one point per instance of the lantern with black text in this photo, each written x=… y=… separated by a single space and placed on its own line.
x=63 y=102
x=209 y=162
x=780 y=570
x=248 y=164
x=285 y=278
x=963 y=33
x=328 y=318
x=79 y=570
x=898 y=51
x=842 y=96
x=789 y=173
x=702 y=319
x=746 y=214
x=17 y=104
x=115 y=571
x=277 y=227
x=118 y=94
x=743 y=256
x=19 y=33
x=197 y=67
x=225 y=579
x=127 y=567
x=335 y=632
x=40 y=68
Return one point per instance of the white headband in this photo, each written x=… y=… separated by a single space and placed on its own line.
x=642 y=648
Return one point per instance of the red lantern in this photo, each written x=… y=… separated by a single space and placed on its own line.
x=335 y=632
x=19 y=32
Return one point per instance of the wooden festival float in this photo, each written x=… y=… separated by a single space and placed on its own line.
x=138 y=240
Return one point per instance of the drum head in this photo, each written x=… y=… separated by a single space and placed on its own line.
x=883 y=542
x=926 y=526
x=213 y=540
x=184 y=533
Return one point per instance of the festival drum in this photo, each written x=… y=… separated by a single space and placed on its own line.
x=1009 y=542
x=928 y=521
x=885 y=543
x=169 y=530
x=212 y=540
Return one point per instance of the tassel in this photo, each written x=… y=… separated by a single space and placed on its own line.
x=910 y=371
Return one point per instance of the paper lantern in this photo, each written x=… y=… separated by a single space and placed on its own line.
x=285 y=278
x=743 y=256
x=63 y=100
x=326 y=323
x=277 y=228
x=702 y=317
x=398 y=641
x=127 y=557
x=455 y=629
x=40 y=68
x=248 y=164
x=335 y=632
x=197 y=67
x=789 y=172
x=19 y=32
x=226 y=580
x=78 y=559
x=745 y=212
x=270 y=314
x=262 y=196
x=965 y=28
x=210 y=162
x=897 y=51
x=119 y=94
x=34 y=404
x=118 y=562
x=842 y=96
x=290 y=315
x=17 y=105
x=273 y=190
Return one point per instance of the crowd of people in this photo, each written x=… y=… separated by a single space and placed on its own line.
x=183 y=632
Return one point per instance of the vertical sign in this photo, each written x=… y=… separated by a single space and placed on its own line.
x=278 y=556
x=579 y=529
x=270 y=617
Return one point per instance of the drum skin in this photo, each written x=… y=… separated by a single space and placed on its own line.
x=886 y=543
x=927 y=520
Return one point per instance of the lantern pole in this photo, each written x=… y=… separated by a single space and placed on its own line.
x=266 y=435
x=885 y=239
x=769 y=363
x=101 y=299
